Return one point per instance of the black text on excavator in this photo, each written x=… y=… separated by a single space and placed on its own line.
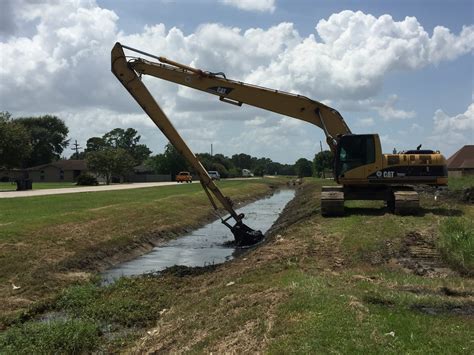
x=360 y=167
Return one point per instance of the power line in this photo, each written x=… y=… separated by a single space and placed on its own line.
x=76 y=148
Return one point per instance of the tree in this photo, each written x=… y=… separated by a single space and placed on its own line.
x=127 y=139
x=242 y=161
x=95 y=144
x=175 y=161
x=15 y=145
x=303 y=167
x=78 y=156
x=110 y=162
x=323 y=161
x=47 y=136
x=158 y=164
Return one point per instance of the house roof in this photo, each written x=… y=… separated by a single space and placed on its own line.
x=462 y=159
x=64 y=165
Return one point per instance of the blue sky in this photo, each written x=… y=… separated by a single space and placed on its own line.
x=411 y=86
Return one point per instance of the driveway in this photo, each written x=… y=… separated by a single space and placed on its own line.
x=73 y=190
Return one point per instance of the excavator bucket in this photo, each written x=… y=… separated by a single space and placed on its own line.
x=246 y=236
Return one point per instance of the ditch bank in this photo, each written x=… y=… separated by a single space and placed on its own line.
x=109 y=229
x=103 y=256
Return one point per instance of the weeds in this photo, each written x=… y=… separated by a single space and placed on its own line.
x=456 y=243
x=71 y=337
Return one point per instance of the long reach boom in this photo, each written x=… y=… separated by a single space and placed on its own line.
x=238 y=93
x=127 y=75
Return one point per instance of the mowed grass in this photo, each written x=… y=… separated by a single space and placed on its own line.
x=319 y=287
x=49 y=242
x=9 y=186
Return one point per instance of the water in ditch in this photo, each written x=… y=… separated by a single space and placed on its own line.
x=206 y=245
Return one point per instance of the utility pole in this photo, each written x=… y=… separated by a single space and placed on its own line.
x=211 y=149
x=76 y=148
x=321 y=145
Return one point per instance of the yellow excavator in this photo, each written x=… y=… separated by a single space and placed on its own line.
x=362 y=171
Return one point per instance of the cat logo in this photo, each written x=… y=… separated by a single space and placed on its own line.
x=220 y=90
x=385 y=174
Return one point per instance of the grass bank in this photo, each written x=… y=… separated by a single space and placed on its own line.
x=367 y=282
x=49 y=242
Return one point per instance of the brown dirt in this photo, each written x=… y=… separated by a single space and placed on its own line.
x=417 y=254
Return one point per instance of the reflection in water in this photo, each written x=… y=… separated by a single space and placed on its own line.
x=204 y=246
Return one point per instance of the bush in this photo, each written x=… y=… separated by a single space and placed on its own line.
x=457 y=243
x=86 y=179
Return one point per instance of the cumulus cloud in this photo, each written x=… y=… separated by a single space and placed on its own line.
x=63 y=67
x=365 y=122
x=452 y=132
x=388 y=111
x=252 y=5
x=351 y=53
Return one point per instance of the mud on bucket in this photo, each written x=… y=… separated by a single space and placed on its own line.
x=246 y=236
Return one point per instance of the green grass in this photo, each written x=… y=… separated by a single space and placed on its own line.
x=127 y=302
x=58 y=336
x=317 y=290
x=460 y=183
x=342 y=315
x=49 y=242
x=8 y=186
x=457 y=243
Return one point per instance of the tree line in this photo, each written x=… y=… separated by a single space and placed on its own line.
x=31 y=141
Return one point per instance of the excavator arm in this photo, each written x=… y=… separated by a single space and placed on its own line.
x=127 y=75
x=238 y=93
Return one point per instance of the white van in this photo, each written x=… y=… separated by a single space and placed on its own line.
x=214 y=175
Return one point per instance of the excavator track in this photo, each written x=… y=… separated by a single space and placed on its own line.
x=405 y=202
x=332 y=201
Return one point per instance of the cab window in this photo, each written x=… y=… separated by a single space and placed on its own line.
x=355 y=151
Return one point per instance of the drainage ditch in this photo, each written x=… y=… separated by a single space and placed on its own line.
x=208 y=245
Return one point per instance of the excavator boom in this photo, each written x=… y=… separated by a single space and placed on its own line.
x=243 y=234
x=237 y=93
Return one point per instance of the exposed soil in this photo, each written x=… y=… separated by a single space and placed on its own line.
x=417 y=255
x=464 y=309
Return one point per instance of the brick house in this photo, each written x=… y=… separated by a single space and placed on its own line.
x=58 y=171
x=461 y=163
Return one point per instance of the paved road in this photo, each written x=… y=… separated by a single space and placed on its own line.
x=73 y=190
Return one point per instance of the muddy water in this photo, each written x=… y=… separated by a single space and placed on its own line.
x=204 y=246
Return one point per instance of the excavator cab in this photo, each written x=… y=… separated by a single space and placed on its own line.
x=354 y=151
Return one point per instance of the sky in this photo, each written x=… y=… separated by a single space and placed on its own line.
x=402 y=69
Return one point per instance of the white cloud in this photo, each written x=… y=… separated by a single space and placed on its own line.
x=452 y=132
x=63 y=68
x=352 y=52
x=252 y=5
x=388 y=111
x=365 y=122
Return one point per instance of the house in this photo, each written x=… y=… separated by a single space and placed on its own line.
x=58 y=171
x=10 y=175
x=461 y=163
